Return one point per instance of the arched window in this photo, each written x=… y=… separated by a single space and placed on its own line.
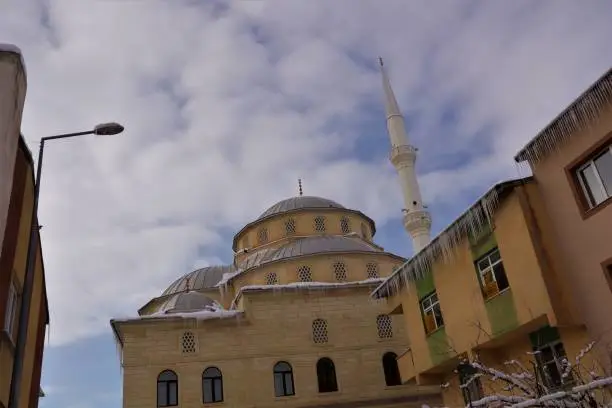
x=283 y=379
x=271 y=278
x=212 y=385
x=304 y=273
x=339 y=269
x=167 y=389
x=364 y=231
x=326 y=375
x=262 y=236
x=319 y=223
x=290 y=226
x=319 y=331
x=392 y=373
x=372 y=270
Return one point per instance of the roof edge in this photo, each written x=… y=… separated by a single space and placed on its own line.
x=579 y=113
x=473 y=219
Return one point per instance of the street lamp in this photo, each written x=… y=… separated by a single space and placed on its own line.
x=103 y=129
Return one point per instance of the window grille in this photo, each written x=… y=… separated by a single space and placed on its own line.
x=385 y=326
x=188 y=342
x=290 y=228
x=372 y=270
x=271 y=278
x=262 y=236
x=339 y=271
x=319 y=331
x=304 y=274
x=345 y=225
x=319 y=223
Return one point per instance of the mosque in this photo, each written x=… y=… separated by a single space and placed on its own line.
x=290 y=322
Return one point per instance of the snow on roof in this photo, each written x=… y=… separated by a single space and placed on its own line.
x=578 y=115
x=472 y=221
x=304 y=286
x=12 y=48
x=208 y=313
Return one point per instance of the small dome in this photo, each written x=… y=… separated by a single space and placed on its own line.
x=186 y=302
x=296 y=203
x=204 y=278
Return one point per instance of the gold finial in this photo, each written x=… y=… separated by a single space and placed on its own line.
x=300 y=187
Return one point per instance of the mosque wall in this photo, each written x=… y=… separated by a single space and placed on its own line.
x=269 y=232
x=275 y=328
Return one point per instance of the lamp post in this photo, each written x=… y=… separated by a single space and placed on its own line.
x=28 y=284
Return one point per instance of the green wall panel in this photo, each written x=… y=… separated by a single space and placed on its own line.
x=438 y=346
x=425 y=285
x=502 y=313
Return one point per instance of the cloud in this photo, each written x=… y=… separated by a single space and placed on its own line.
x=226 y=105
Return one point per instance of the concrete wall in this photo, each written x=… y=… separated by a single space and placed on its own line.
x=584 y=239
x=12 y=96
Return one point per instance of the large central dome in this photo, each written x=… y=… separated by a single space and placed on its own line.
x=301 y=202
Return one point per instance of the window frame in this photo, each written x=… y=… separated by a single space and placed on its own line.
x=576 y=186
x=213 y=379
x=381 y=321
x=490 y=268
x=167 y=383
x=431 y=308
x=285 y=374
x=557 y=359
x=11 y=314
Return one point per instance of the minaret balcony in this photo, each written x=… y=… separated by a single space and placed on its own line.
x=417 y=221
x=403 y=155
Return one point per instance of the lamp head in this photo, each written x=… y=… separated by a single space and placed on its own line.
x=107 y=129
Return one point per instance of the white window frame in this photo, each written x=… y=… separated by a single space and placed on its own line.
x=599 y=182
x=489 y=269
x=430 y=308
x=12 y=308
x=557 y=359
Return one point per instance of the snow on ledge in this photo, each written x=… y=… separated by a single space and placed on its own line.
x=206 y=314
x=312 y=285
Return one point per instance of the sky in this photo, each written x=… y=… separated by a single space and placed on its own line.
x=226 y=104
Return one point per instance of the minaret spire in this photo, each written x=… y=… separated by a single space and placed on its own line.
x=300 y=187
x=417 y=220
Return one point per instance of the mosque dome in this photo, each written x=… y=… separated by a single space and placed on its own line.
x=299 y=203
x=203 y=278
x=189 y=301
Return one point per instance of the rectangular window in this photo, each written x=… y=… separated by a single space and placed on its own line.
x=595 y=178
x=492 y=274
x=432 y=313
x=550 y=363
x=12 y=307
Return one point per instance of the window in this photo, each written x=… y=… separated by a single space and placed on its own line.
x=12 y=308
x=319 y=331
x=283 y=380
x=290 y=227
x=188 y=342
x=492 y=274
x=245 y=242
x=385 y=328
x=262 y=235
x=432 y=314
x=392 y=372
x=372 y=270
x=271 y=278
x=595 y=178
x=345 y=225
x=471 y=386
x=326 y=375
x=319 y=223
x=212 y=385
x=304 y=274
x=550 y=361
x=167 y=389
x=339 y=269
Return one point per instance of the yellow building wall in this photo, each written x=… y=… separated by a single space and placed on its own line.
x=38 y=296
x=469 y=320
x=276 y=328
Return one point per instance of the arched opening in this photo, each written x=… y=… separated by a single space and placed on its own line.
x=212 y=385
x=167 y=389
x=283 y=379
x=392 y=373
x=326 y=375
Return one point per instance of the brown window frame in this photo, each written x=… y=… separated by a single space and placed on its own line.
x=571 y=172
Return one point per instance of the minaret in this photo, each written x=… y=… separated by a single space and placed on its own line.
x=417 y=219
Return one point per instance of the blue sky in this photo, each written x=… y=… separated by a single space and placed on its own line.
x=226 y=104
